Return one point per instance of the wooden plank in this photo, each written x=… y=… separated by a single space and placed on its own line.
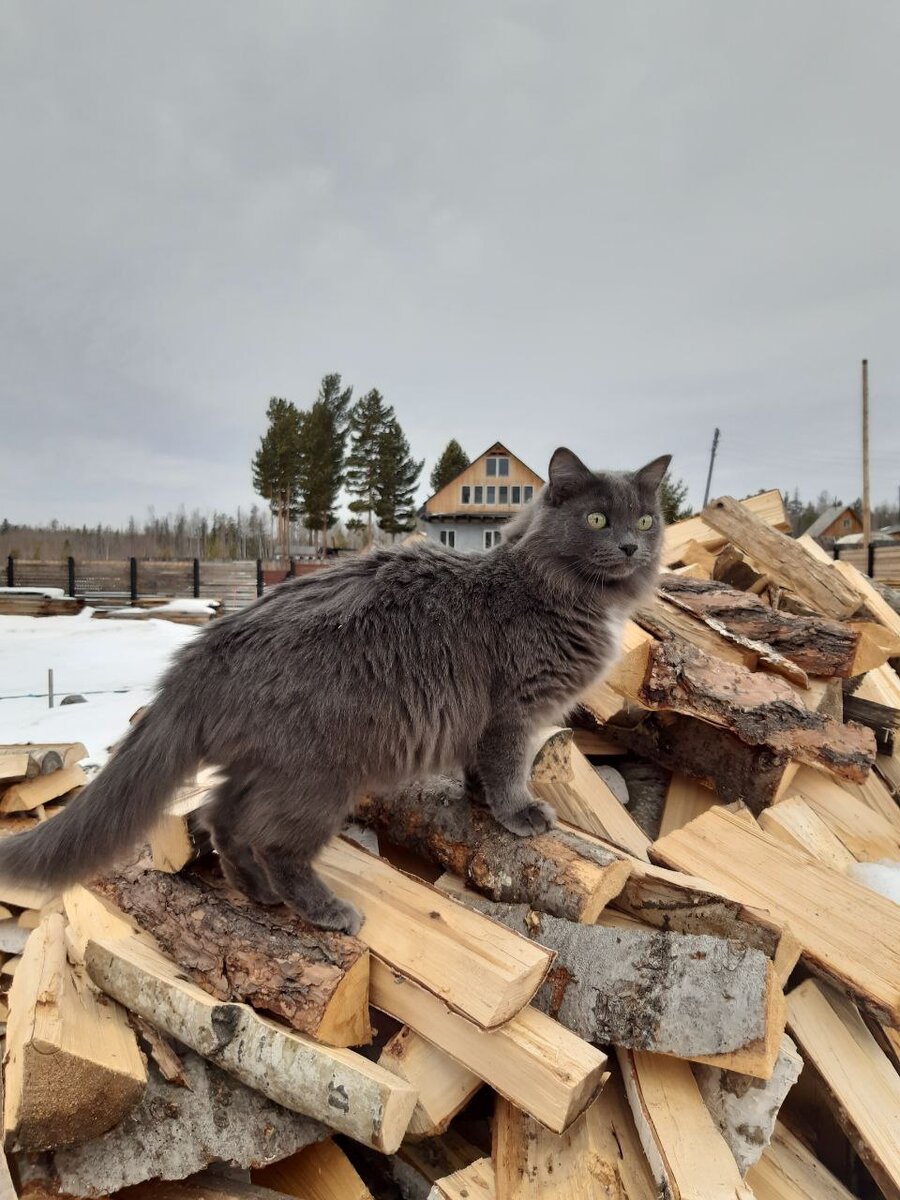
x=861 y=1083
x=793 y=821
x=531 y=1060
x=13 y=764
x=848 y=933
x=781 y=558
x=361 y=1099
x=474 y=1182
x=688 y=1156
x=73 y=1069
x=28 y=795
x=477 y=967
x=788 y=1171
x=686 y=798
x=443 y=1085
x=872 y=793
x=321 y=1171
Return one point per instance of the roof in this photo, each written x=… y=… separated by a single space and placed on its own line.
x=828 y=517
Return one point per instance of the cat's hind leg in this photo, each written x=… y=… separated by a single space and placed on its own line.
x=287 y=823
x=223 y=818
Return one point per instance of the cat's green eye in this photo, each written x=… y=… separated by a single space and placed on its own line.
x=645 y=522
x=596 y=520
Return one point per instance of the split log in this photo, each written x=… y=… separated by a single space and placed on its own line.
x=214 y=1184
x=875 y=604
x=22 y=797
x=681 y=535
x=861 y=1084
x=788 y=1171
x=444 y=1086
x=848 y=933
x=688 y=1157
x=359 y=1098
x=14 y=764
x=474 y=1182
x=782 y=559
x=481 y=970
x=44 y=757
x=865 y=833
x=321 y=1171
x=419 y=1165
x=663 y=620
x=817 y=645
x=550 y=871
x=685 y=799
x=160 y=1050
x=314 y=980
x=692 y=996
x=532 y=1060
x=793 y=821
x=762 y=710
x=73 y=1068
x=176 y=1131
x=745 y=1109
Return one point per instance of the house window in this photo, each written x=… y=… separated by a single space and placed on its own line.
x=497 y=466
x=492 y=466
x=465 y=494
x=846 y=522
x=491 y=494
x=503 y=496
x=491 y=538
x=516 y=495
x=527 y=493
x=479 y=494
x=448 y=538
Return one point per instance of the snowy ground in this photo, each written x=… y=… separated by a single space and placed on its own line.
x=115 y=665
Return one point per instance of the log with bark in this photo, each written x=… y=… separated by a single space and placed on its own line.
x=552 y=872
x=314 y=980
x=688 y=995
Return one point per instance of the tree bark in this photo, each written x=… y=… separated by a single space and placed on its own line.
x=553 y=872
x=315 y=980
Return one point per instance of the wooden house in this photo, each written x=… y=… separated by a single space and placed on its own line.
x=469 y=512
x=835 y=522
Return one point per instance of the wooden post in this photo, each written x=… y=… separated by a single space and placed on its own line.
x=866 y=514
x=196 y=578
x=132 y=571
x=836 y=552
x=259 y=577
x=10 y=571
x=71 y=566
x=870 y=564
x=50 y=686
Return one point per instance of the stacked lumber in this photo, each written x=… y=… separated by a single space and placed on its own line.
x=38 y=602
x=703 y=1004
x=157 y=608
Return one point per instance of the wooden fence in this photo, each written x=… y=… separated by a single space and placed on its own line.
x=106 y=583
x=881 y=562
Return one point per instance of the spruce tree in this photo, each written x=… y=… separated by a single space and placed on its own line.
x=398 y=476
x=323 y=444
x=368 y=421
x=672 y=496
x=276 y=465
x=453 y=460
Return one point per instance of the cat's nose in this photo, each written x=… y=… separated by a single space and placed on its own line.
x=628 y=548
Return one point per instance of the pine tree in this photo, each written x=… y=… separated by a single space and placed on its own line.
x=368 y=421
x=277 y=464
x=672 y=496
x=453 y=460
x=323 y=445
x=398 y=475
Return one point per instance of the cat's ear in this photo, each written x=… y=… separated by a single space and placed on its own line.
x=567 y=475
x=651 y=476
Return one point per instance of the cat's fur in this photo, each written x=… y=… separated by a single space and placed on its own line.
x=394 y=663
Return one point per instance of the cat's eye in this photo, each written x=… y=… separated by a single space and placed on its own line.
x=596 y=520
x=645 y=522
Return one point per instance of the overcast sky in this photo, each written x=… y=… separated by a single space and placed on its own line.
x=607 y=225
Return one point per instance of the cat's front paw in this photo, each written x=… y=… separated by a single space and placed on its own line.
x=532 y=818
x=336 y=914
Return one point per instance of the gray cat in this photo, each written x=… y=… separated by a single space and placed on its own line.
x=395 y=663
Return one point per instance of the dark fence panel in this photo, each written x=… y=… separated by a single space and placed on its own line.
x=882 y=562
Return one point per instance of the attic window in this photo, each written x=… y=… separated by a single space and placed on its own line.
x=527 y=493
x=497 y=465
x=466 y=493
x=846 y=522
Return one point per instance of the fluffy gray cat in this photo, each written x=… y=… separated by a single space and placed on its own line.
x=392 y=664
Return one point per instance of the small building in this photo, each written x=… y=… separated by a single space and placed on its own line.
x=469 y=512
x=836 y=522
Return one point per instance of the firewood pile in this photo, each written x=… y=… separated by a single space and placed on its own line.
x=696 y=996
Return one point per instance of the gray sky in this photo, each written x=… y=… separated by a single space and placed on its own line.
x=601 y=224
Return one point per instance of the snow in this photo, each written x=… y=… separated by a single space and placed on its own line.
x=114 y=665
x=173 y=606
x=51 y=593
x=882 y=876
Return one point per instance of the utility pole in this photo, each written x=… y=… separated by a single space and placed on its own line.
x=866 y=514
x=712 y=459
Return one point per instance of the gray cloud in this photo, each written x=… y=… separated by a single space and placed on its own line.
x=608 y=225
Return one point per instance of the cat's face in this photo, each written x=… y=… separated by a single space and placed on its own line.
x=606 y=525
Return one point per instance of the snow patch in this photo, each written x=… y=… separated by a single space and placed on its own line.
x=882 y=877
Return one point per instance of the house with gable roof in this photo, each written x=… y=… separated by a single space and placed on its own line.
x=469 y=512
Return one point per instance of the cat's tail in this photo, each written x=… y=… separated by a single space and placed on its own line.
x=108 y=818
